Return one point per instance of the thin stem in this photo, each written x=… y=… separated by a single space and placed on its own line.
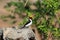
x=26 y=3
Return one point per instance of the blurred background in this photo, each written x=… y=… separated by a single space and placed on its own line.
x=45 y=14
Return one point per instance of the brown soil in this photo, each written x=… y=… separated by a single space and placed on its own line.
x=3 y=11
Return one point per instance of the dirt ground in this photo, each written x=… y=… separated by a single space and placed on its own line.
x=3 y=11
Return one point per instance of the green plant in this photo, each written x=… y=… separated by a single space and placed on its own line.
x=3 y=18
x=23 y=22
x=11 y=16
x=46 y=7
x=19 y=6
x=13 y=21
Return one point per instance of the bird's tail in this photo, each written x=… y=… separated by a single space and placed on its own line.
x=22 y=27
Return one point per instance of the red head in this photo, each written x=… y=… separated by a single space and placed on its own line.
x=30 y=17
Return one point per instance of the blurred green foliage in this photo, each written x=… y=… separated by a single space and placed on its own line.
x=46 y=7
x=19 y=6
x=11 y=16
x=3 y=18
x=12 y=21
x=23 y=22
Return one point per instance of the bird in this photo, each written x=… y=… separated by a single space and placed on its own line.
x=28 y=23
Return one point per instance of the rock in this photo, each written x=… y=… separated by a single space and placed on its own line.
x=1 y=31
x=1 y=34
x=18 y=34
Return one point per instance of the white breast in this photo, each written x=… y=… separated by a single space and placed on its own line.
x=29 y=23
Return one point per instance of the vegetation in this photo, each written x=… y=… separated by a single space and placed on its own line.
x=11 y=16
x=3 y=18
x=44 y=16
x=13 y=22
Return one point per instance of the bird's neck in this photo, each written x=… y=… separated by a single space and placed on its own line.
x=30 y=19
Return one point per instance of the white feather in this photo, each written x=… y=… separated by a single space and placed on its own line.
x=29 y=23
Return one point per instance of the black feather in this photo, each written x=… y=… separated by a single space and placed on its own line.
x=25 y=24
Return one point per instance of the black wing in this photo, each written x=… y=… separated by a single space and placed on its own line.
x=27 y=22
